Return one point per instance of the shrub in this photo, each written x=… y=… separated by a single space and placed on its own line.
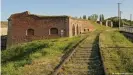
x=18 y=51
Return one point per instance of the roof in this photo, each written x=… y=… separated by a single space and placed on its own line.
x=39 y=16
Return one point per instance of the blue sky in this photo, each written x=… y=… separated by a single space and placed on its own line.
x=66 y=7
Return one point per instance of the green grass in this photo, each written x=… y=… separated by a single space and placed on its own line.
x=37 y=57
x=99 y=27
x=116 y=60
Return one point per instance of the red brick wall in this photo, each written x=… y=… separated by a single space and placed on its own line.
x=21 y=22
x=41 y=26
x=82 y=24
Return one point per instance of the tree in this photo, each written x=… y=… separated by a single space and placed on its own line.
x=115 y=21
x=84 y=16
x=101 y=18
x=89 y=18
x=80 y=17
x=93 y=17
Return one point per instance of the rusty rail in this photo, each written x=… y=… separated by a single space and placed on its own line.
x=67 y=57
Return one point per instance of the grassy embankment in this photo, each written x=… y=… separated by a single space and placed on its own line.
x=37 y=57
x=100 y=28
x=118 y=57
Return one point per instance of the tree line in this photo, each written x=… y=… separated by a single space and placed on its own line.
x=93 y=17
x=115 y=20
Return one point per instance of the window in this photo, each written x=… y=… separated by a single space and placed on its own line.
x=84 y=29
x=73 y=30
x=77 y=30
x=30 y=32
x=54 y=31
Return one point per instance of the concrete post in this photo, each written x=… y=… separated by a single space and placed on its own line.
x=107 y=23
x=101 y=23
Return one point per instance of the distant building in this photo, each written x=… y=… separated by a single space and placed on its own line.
x=24 y=27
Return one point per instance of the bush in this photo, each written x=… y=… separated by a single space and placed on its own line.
x=18 y=51
x=49 y=51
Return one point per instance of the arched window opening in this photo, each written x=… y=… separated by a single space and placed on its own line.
x=84 y=29
x=108 y=23
x=73 y=30
x=77 y=30
x=54 y=31
x=30 y=32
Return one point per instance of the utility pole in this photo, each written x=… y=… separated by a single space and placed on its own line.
x=120 y=17
x=119 y=14
x=130 y=19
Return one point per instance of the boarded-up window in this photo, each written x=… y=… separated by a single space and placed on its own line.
x=30 y=32
x=73 y=30
x=77 y=30
x=54 y=31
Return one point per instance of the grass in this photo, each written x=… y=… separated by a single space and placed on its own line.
x=116 y=59
x=37 y=57
x=41 y=57
x=82 y=64
x=99 y=27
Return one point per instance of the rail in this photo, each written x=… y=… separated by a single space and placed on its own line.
x=81 y=56
x=66 y=58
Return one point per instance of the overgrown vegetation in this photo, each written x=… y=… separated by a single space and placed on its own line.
x=99 y=27
x=93 y=17
x=37 y=57
x=117 y=52
x=123 y=21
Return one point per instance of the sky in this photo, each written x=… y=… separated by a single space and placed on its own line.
x=108 y=8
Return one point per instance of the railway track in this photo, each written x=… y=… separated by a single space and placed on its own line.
x=85 y=60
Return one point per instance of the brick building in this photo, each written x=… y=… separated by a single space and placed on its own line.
x=23 y=27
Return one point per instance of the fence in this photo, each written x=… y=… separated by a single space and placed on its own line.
x=126 y=29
